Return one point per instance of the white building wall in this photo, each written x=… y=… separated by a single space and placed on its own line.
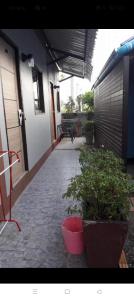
x=4 y=136
x=38 y=133
x=53 y=77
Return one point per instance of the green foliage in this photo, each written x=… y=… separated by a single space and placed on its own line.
x=89 y=125
x=70 y=105
x=101 y=191
x=100 y=159
x=88 y=101
x=89 y=131
x=79 y=101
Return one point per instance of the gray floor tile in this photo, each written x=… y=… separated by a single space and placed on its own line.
x=40 y=211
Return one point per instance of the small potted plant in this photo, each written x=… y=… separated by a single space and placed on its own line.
x=89 y=131
x=103 y=195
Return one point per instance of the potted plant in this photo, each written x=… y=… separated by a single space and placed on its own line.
x=103 y=196
x=89 y=131
x=100 y=159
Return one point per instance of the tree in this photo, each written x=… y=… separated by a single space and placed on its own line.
x=79 y=101
x=88 y=101
x=70 y=105
x=63 y=106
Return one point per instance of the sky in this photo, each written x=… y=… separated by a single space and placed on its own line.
x=106 y=41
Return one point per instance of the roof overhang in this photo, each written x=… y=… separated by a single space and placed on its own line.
x=71 y=50
x=125 y=48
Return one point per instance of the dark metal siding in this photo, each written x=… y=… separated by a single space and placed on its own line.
x=108 y=110
x=130 y=148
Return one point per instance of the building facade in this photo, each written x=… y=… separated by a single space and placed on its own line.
x=114 y=102
x=30 y=118
x=29 y=114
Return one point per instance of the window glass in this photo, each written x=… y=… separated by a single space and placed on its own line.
x=58 y=101
x=38 y=91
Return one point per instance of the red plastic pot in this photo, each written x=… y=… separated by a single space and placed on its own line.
x=72 y=230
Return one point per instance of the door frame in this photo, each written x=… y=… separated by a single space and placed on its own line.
x=53 y=108
x=20 y=100
x=2 y=178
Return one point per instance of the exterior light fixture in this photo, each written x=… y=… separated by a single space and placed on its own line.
x=56 y=86
x=29 y=58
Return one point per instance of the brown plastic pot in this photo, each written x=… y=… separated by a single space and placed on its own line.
x=89 y=137
x=104 y=242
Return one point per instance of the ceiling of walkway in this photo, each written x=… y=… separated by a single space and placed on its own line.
x=71 y=50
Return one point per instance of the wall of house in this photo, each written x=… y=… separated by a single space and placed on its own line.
x=130 y=148
x=53 y=77
x=38 y=133
x=3 y=136
x=108 y=110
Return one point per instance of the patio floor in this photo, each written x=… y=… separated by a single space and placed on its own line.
x=40 y=211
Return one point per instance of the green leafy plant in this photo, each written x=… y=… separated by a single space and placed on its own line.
x=88 y=101
x=102 y=196
x=70 y=105
x=100 y=159
x=101 y=191
x=79 y=102
x=89 y=131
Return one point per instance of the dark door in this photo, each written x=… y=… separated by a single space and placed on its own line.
x=52 y=114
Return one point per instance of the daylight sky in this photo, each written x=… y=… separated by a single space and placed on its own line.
x=107 y=40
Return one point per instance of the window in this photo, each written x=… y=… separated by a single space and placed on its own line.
x=58 y=101
x=38 y=91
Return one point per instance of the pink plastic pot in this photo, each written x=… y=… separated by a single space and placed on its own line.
x=72 y=230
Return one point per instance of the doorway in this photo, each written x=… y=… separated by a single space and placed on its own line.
x=11 y=101
x=52 y=114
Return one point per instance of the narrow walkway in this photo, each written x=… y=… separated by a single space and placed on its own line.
x=66 y=144
x=40 y=211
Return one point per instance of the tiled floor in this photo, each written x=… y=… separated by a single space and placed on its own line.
x=129 y=245
x=66 y=144
x=40 y=211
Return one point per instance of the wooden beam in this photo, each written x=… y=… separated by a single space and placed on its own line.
x=57 y=59
x=67 y=53
x=66 y=78
x=45 y=43
x=74 y=74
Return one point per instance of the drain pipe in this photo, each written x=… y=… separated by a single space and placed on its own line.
x=114 y=58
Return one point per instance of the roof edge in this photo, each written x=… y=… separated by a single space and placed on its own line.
x=117 y=54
